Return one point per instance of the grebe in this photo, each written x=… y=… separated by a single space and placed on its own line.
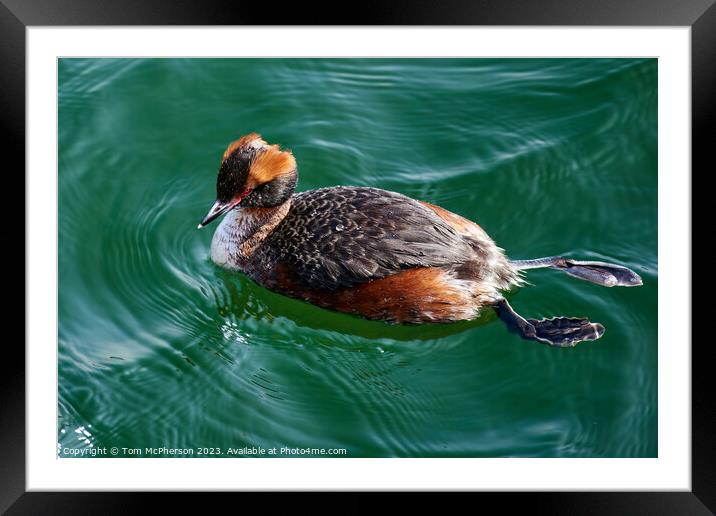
x=374 y=253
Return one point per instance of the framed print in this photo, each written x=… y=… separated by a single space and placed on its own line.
x=253 y=258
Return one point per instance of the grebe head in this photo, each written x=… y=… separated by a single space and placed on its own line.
x=253 y=174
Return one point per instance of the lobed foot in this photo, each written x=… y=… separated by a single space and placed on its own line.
x=565 y=332
x=561 y=332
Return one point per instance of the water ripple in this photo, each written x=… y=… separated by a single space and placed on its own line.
x=158 y=347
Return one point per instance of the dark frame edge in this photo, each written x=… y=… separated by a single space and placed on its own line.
x=12 y=134
x=703 y=127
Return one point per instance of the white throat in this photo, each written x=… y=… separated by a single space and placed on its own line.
x=242 y=231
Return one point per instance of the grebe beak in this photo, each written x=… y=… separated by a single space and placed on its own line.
x=216 y=210
x=219 y=208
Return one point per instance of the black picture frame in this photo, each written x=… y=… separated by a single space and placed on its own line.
x=17 y=15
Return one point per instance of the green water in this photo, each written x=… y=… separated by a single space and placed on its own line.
x=160 y=348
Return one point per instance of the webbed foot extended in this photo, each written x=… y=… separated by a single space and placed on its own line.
x=605 y=274
x=601 y=273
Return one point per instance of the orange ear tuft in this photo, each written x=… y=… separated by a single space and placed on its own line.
x=272 y=163
x=244 y=140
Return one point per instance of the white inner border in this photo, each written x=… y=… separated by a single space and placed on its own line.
x=670 y=471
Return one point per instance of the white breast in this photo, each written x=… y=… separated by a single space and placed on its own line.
x=227 y=238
